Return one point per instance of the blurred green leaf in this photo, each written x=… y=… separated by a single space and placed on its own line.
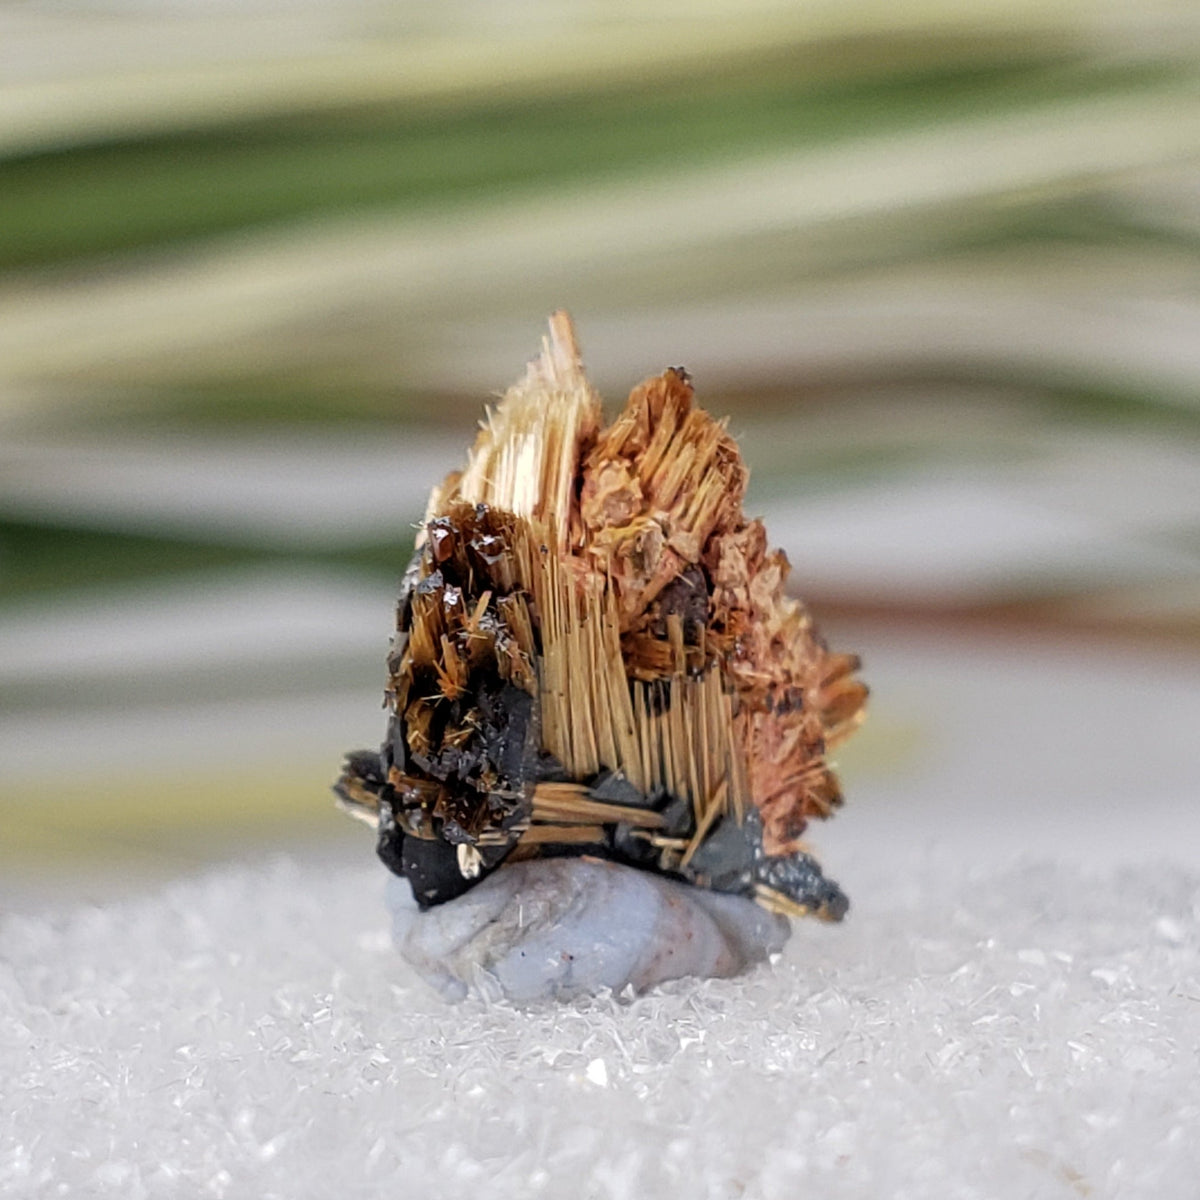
x=40 y=558
x=112 y=198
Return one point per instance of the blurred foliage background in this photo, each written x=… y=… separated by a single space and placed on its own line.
x=262 y=262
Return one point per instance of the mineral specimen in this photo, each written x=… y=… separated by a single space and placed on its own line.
x=595 y=655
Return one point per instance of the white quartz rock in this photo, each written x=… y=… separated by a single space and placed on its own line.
x=559 y=927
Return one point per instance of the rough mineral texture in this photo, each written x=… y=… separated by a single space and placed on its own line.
x=590 y=602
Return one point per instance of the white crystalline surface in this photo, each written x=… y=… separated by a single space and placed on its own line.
x=1026 y=1032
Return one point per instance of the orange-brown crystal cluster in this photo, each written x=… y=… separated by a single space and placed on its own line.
x=661 y=502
